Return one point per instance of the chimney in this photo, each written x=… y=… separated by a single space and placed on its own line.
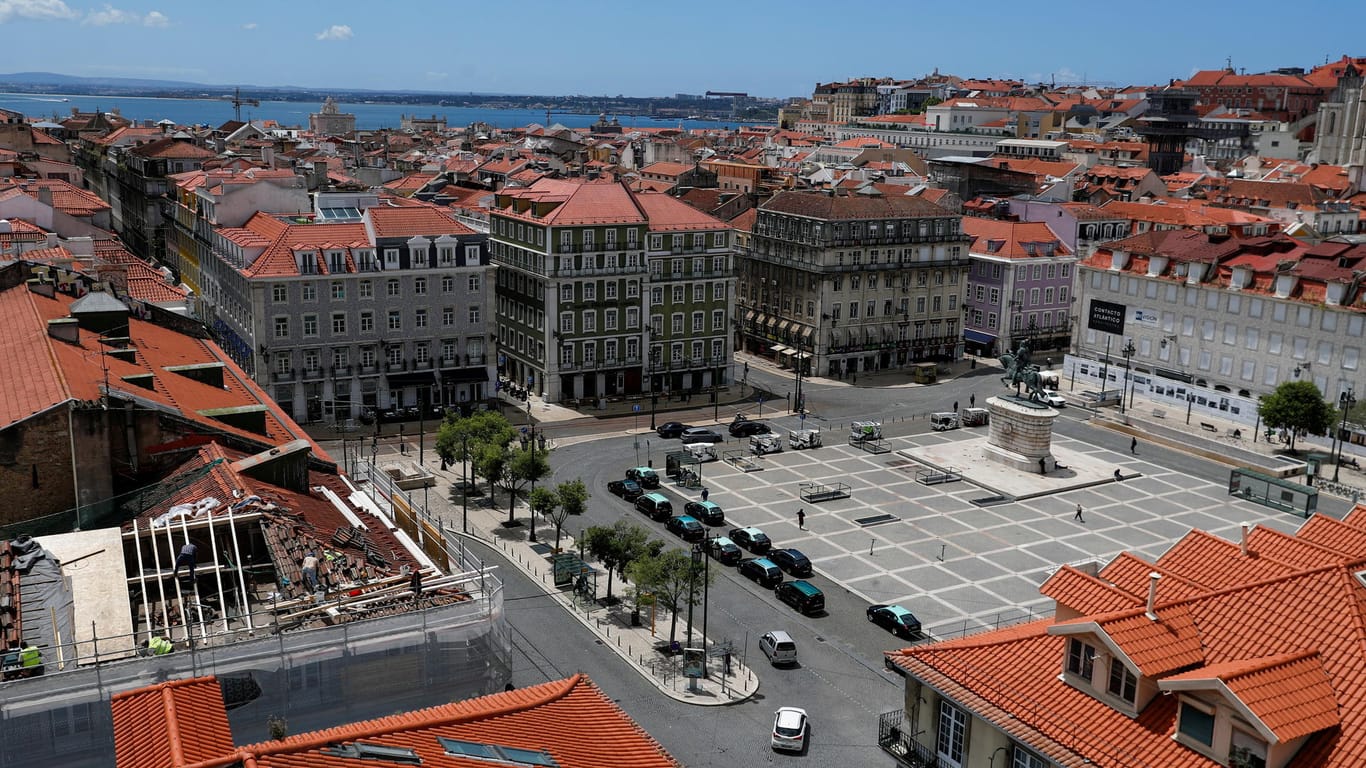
x=66 y=329
x=45 y=195
x=1242 y=542
x=1153 y=578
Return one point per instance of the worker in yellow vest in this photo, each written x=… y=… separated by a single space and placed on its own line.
x=160 y=646
x=30 y=659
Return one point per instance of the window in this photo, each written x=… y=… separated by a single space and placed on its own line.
x=676 y=323
x=311 y=360
x=474 y=284
x=420 y=319
x=338 y=290
x=697 y=322
x=282 y=364
x=391 y=288
x=367 y=322
x=590 y=291
x=279 y=293
x=395 y=356
x=395 y=320
x=310 y=291
x=391 y=258
x=609 y=320
x=420 y=286
x=1196 y=723
x=609 y=290
x=632 y=317
x=656 y=295
x=632 y=289
x=447 y=317
x=367 y=357
x=590 y=322
x=1081 y=658
x=718 y=320
x=699 y=292
x=678 y=294
x=566 y=322
x=1023 y=758
x=338 y=323
x=310 y=325
x=367 y=289
x=1123 y=683
x=567 y=292
x=341 y=357
x=281 y=327
x=952 y=736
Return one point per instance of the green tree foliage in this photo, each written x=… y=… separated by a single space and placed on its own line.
x=673 y=578
x=618 y=546
x=522 y=467
x=543 y=501
x=1296 y=406
x=571 y=498
x=457 y=434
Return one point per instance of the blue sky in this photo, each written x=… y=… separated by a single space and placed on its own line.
x=652 y=48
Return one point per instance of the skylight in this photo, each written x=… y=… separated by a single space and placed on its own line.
x=362 y=751
x=496 y=753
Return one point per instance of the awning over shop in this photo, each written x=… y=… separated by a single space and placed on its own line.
x=771 y=322
x=465 y=375
x=780 y=349
x=750 y=315
x=411 y=378
x=803 y=355
x=979 y=337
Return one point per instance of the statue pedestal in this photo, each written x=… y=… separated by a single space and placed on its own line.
x=1021 y=434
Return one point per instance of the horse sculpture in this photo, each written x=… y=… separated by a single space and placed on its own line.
x=1019 y=370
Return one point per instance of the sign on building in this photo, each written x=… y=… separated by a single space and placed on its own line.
x=1106 y=317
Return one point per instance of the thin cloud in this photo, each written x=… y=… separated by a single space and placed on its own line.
x=249 y=25
x=35 y=10
x=112 y=15
x=335 y=32
x=437 y=75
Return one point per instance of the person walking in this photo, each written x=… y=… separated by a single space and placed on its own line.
x=972 y=400
x=186 y=558
x=1078 y=516
x=705 y=494
x=801 y=519
x=955 y=406
x=1133 y=446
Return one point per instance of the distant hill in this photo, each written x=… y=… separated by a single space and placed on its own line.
x=30 y=81
x=53 y=78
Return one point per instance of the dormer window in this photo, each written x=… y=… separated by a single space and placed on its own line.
x=1123 y=682
x=1195 y=723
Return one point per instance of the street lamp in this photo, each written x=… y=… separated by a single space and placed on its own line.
x=1346 y=401
x=654 y=394
x=1105 y=368
x=1128 y=353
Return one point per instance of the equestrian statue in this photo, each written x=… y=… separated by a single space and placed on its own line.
x=1019 y=370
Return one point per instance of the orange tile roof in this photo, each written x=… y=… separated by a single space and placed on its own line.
x=1154 y=647
x=34 y=380
x=578 y=202
x=667 y=213
x=1289 y=694
x=665 y=168
x=409 y=221
x=570 y=720
x=176 y=723
x=1083 y=593
x=1012 y=239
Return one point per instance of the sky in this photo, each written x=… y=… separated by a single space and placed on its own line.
x=653 y=48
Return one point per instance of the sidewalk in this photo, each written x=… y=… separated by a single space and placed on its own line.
x=635 y=645
x=891 y=378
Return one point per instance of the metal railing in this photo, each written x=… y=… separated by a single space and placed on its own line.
x=893 y=739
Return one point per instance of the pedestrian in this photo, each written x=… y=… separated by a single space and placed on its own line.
x=30 y=659
x=972 y=401
x=854 y=379
x=801 y=519
x=186 y=558
x=416 y=584
x=1133 y=446
x=1119 y=477
x=955 y=406
x=705 y=493
x=310 y=569
x=1043 y=466
x=1078 y=516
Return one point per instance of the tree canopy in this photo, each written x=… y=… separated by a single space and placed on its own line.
x=458 y=433
x=617 y=546
x=571 y=498
x=1296 y=406
x=674 y=578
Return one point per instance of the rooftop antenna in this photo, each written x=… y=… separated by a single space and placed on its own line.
x=1228 y=63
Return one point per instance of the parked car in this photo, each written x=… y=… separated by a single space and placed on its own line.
x=646 y=476
x=671 y=429
x=708 y=512
x=895 y=619
x=1054 y=399
x=700 y=435
x=724 y=550
x=779 y=647
x=747 y=428
x=686 y=527
x=762 y=571
x=792 y=561
x=627 y=489
x=656 y=506
x=790 y=729
x=751 y=538
x=802 y=595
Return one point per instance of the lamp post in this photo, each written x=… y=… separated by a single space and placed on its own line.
x=716 y=388
x=1128 y=353
x=1345 y=402
x=797 y=379
x=654 y=394
x=1105 y=368
x=531 y=445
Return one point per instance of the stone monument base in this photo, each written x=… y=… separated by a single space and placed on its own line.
x=1021 y=435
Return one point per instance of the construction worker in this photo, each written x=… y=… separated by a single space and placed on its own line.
x=160 y=646
x=30 y=659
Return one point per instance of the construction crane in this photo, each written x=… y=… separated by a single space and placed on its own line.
x=238 y=102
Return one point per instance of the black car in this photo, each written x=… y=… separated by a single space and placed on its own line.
x=626 y=489
x=792 y=561
x=895 y=619
x=751 y=538
x=671 y=429
x=724 y=550
x=747 y=428
x=700 y=435
x=762 y=571
x=708 y=512
x=686 y=528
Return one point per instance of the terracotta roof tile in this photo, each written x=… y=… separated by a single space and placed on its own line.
x=177 y=723
x=1290 y=694
x=1083 y=593
x=407 y=222
x=34 y=378
x=1012 y=239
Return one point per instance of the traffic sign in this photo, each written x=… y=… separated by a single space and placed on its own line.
x=636 y=408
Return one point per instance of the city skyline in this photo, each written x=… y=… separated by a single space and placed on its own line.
x=490 y=50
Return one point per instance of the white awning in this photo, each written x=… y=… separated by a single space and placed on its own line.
x=779 y=348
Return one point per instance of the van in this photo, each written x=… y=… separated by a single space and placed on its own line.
x=779 y=647
x=944 y=420
x=656 y=506
x=801 y=595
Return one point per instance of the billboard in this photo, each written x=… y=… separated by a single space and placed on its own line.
x=1145 y=317
x=1106 y=317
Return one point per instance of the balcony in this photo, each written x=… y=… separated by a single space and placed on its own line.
x=341 y=371
x=369 y=370
x=396 y=367
x=311 y=374
x=423 y=365
x=280 y=376
x=897 y=743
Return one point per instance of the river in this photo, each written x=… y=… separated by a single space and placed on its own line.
x=295 y=113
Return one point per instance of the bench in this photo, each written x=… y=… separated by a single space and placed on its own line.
x=1208 y=427
x=1158 y=413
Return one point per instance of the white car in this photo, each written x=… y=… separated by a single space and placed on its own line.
x=790 y=729
x=1054 y=399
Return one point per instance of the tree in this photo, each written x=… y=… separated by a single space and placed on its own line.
x=490 y=462
x=674 y=578
x=571 y=498
x=617 y=547
x=544 y=501
x=523 y=466
x=1296 y=406
x=463 y=438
